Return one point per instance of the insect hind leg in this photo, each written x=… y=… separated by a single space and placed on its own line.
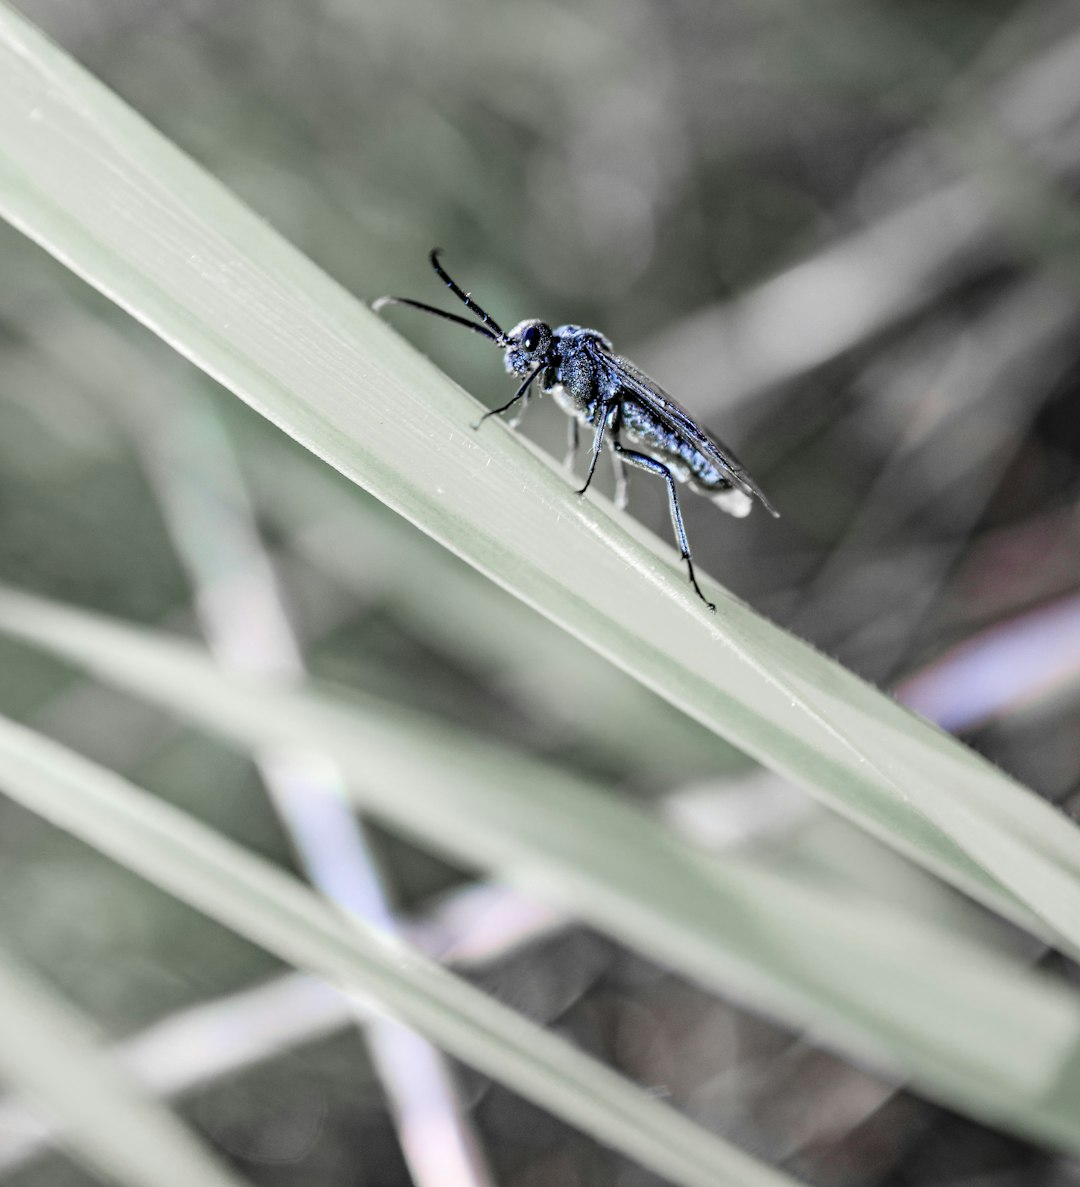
x=644 y=462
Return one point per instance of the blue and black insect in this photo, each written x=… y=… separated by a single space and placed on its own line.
x=640 y=422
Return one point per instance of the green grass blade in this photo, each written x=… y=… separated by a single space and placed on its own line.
x=93 y=183
x=969 y=1026
x=48 y=1052
x=271 y=908
x=557 y=680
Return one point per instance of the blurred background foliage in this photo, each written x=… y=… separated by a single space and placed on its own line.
x=845 y=235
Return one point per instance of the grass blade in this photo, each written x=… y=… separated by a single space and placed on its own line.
x=269 y=907
x=49 y=1052
x=967 y=1025
x=84 y=176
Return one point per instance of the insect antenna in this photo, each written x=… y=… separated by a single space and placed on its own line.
x=459 y=292
x=382 y=302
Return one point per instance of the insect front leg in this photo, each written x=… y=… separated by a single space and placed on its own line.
x=606 y=419
x=522 y=393
x=654 y=467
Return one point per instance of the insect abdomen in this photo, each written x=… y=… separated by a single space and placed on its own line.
x=643 y=431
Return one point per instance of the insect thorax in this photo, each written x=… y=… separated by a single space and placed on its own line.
x=573 y=379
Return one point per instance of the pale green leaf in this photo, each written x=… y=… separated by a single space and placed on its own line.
x=271 y=908
x=969 y=1026
x=102 y=191
x=49 y=1053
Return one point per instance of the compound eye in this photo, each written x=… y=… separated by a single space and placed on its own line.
x=530 y=339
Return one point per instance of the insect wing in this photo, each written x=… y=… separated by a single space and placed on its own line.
x=624 y=374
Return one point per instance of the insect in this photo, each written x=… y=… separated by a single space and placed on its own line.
x=640 y=422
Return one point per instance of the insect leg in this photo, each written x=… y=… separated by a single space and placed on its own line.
x=519 y=412
x=621 y=491
x=655 y=467
x=573 y=440
x=606 y=418
x=521 y=393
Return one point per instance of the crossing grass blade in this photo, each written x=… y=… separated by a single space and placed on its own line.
x=272 y=909
x=49 y=1052
x=88 y=179
x=969 y=1026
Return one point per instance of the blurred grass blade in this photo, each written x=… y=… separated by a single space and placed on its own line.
x=969 y=1026
x=48 y=1052
x=272 y=909
x=92 y=182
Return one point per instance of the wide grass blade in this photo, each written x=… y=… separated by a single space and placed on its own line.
x=272 y=909
x=87 y=178
x=50 y=1054
x=970 y=1027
